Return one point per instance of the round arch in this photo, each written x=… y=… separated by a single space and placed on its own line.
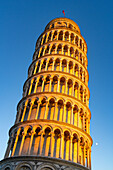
x=46 y=167
x=24 y=166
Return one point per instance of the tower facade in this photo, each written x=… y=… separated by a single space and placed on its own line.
x=52 y=126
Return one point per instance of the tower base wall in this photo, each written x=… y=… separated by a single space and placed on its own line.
x=39 y=163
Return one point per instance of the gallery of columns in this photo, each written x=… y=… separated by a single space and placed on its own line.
x=52 y=126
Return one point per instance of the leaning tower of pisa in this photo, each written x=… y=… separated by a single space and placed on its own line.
x=52 y=126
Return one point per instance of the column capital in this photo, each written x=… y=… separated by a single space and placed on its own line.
x=50 y=45
x=43 y=78
x=52 y=133
x=68 y=62
x=62 y=134
x=41 y=132
x=24 y=133
x=32 y=102
x=72 y=106
x=51 y=78
x=38 y=101
x=54 y=59
x=41 y=61
x=37 y=79
x=64 y=103
x=71 y=137
x=58 y=77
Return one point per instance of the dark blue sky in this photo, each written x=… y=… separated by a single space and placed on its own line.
x=21 y=22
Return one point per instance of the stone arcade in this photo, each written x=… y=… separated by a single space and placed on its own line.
x=52 y=127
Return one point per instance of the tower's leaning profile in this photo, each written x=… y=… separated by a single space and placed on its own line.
x=52 y=127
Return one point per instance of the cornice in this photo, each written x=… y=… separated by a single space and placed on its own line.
x=50 y=122
x=55 y=93
x=58 y=72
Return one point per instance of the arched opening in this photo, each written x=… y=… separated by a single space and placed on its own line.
x=21 y=113
x=68 y=112
x=72 y=38
x=76 y=40
x=81 y=118
x=85 y=96
x=54 y=84
x=18 y=142
x=71 y=67
x=41 y=54
x=27 y=110
x=42 y=109
x=45 y=39
x=70 y=26
x=38 y=66
x=75 y=115
x=43 y=65
x=84 y=75
x=77 y=55
x=46 y=142
x=57 y=137
x=59 y=49
x=64 y=65
x=57 y=64
x=51 y=109
x=74 y=147
x=46 y=84
x=52 y=26
x=24 y=167
x=53 y=49
x=47 y=50
x=76 y=86
x=55 y=35
x=7 y=168
x=33 y=86
x=69 y=87
x=81 y=71
x=60 y=37
x=62 y=85
x=86 y=154
x=13 y=142
x=83 y=47
x=25 y=147
x=76 y=70
x=66 y=145
x=81 y=156
x=50 y=63
x=85 y=122
x=71 y=52
x=49 y=37
x=35 y=149
x=81 y=57
x=80 y=43
x=60 y=110
x=34 y=110
x=65 y=50
x=39 y=85
x=66 y=36
x=81 y=93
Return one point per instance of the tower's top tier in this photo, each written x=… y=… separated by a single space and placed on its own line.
x=63 y=23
